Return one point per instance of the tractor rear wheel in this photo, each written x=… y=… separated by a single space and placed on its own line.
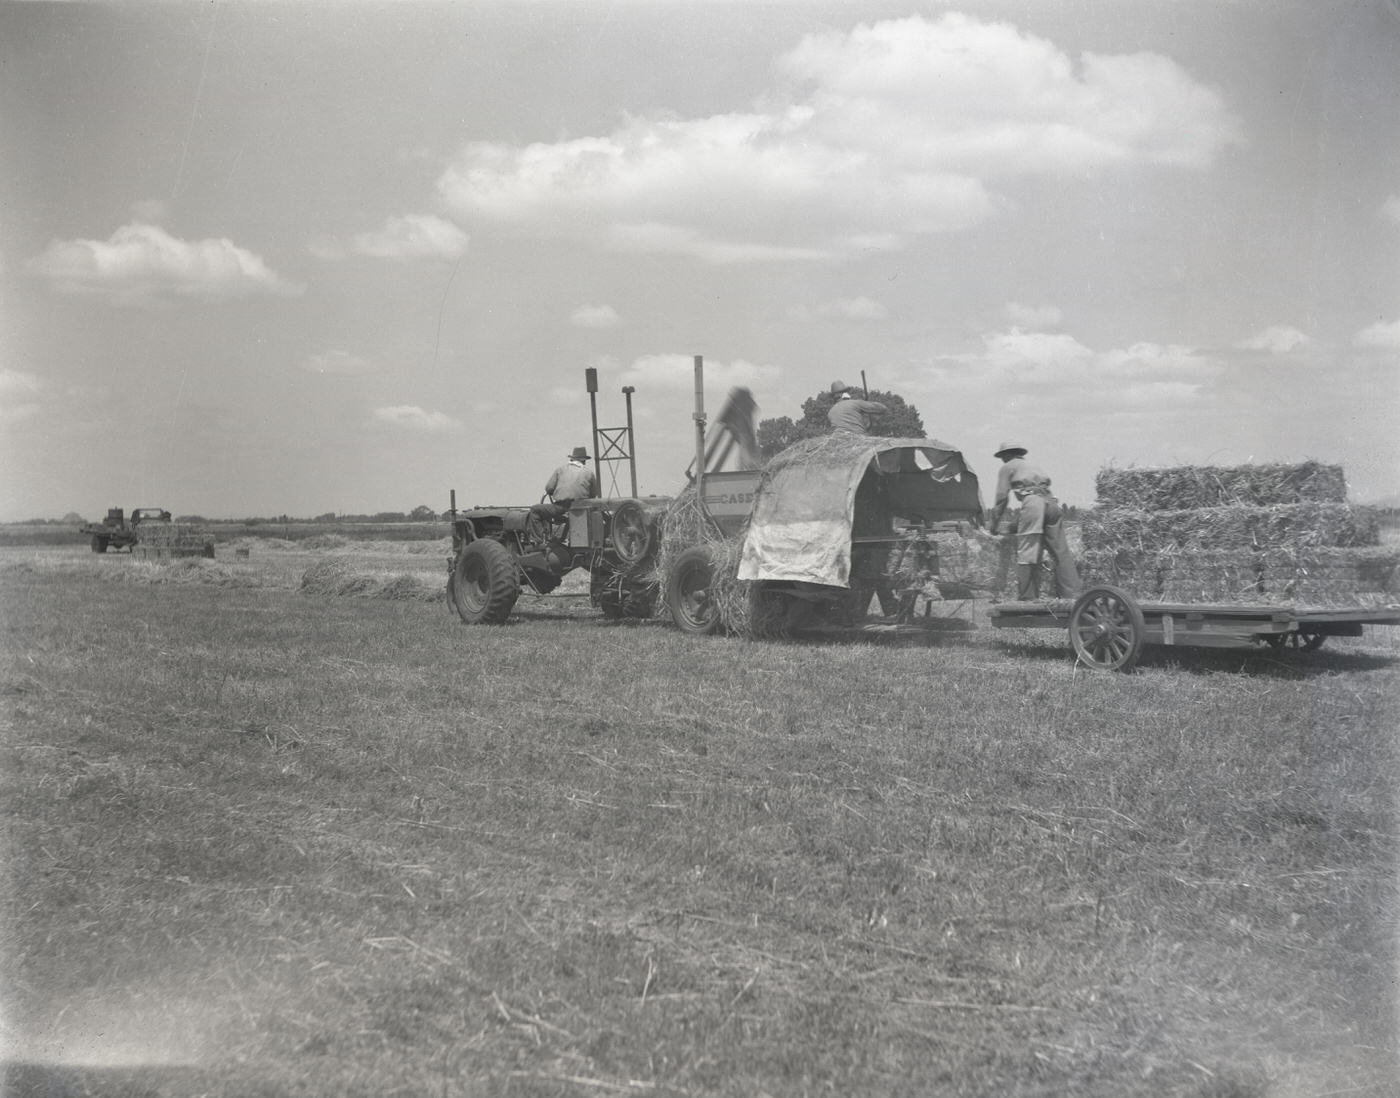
x=485 y=583
x=690 y=592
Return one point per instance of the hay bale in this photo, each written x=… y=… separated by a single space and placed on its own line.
x=1361 y=576
x=1234 y=527
x=1332 y=577
x=1191 y=486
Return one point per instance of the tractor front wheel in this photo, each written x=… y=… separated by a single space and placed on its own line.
x=485 y=583
x=99 y=543
x=690 y=592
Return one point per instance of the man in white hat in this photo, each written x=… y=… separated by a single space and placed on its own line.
x=1038 y=525
x=849 y=414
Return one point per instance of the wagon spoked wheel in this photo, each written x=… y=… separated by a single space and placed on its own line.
x=1300 y=640
x=690 y=593
x=1106 y=629
x=485 y=583
x=631 y=533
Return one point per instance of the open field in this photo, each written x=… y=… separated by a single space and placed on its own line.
x=267 y=839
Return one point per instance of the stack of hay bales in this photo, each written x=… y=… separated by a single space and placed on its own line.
x=164 y=540
x=1269 y=534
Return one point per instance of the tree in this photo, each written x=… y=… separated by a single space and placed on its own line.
x=422 y=513
x=901 y=420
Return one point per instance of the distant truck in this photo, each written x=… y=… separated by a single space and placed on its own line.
x=149 y=533
x=116 y=531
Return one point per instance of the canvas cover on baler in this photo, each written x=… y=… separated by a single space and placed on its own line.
x=805 y=506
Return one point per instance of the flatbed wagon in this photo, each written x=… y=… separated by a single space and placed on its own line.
x=1108 y=628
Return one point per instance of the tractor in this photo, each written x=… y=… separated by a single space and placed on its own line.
x=499 y=551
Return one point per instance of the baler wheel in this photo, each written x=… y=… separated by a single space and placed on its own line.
x=689 y=592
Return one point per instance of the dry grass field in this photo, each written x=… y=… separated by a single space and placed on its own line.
x=282 y=825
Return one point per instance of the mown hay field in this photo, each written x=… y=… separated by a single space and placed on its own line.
x=281 y=824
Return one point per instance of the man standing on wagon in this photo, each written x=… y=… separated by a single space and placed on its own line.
x=1038 y=525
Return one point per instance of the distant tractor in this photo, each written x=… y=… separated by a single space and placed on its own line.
x=118 y=532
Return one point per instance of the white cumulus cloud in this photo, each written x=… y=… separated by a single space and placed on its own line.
x=1275 y=340
x=412 y=236
x=143 y=264
x=875 y=135
x=410 y=417
x=1383 y=335
x=595 y=316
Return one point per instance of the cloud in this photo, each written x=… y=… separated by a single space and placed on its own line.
x=595 y=316
x=1390 y=209
x=143 y=264
x=1276 y=340
x=1035 y=317
x=1383 y=335
x=413 y=236
x=675 y=373
x=872 y=137
x=1058 y=372
x=680 y=240
x=409 y=417
x=16 y=383
x=336 y=362
x=17 y=390
x=843 y=308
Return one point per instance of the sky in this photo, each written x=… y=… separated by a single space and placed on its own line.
x=272 y=258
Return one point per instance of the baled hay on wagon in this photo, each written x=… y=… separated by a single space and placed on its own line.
x=1329 y=577
x=1190 y=486
x=1240 y=526
x=1364 y=576
x=172 y=539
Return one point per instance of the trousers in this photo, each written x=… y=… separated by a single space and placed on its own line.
x=1038 y=527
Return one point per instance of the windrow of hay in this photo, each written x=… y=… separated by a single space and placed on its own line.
x=339 y=578
x=1190 y=486
x=1242 y=526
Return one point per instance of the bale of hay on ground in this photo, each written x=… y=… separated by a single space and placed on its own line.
x=1234 y=527
x=1191 y=486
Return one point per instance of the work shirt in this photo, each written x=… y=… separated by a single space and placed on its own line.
x=854 y=415
x=1018 y=473
x=571 y=481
